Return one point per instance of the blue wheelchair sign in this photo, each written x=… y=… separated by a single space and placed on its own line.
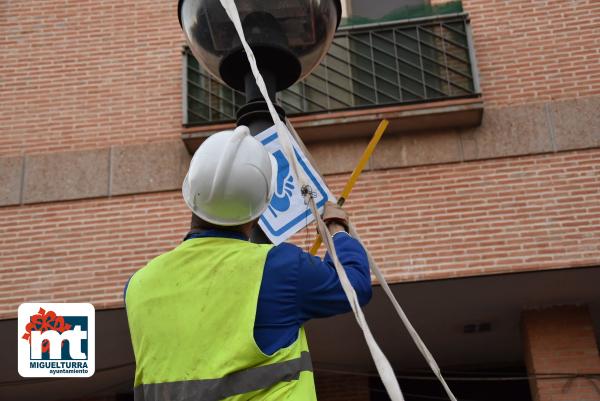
x=287 y=214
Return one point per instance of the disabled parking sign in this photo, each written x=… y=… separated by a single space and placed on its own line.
x=287 y=213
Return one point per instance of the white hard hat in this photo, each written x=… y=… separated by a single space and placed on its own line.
x=231 y=178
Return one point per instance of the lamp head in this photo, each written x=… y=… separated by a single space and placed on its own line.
x=288 y=37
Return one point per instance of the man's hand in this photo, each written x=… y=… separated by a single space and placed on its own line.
x=335 y=217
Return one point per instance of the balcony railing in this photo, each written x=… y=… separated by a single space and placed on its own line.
x=419 y=60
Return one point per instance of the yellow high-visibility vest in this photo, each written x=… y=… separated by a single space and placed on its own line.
x=191 y=317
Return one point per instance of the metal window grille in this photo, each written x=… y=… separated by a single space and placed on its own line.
x=425 y=59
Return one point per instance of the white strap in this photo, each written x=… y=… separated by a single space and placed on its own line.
x=385 y=370
x=411 y=330
x=382 y=364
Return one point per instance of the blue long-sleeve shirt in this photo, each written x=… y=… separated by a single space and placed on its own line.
x=297 y=287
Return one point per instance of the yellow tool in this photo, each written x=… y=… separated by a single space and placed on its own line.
x=354 y=177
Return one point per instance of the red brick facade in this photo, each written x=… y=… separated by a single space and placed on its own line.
x=533 y=51
x=84 y=74
x=561 y=340
x=527 y=213
x=522 y=193
x=73 y=84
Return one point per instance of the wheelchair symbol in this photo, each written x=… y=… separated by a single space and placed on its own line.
x=285 y=185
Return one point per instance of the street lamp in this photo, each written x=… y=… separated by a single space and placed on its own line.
x=288 y=37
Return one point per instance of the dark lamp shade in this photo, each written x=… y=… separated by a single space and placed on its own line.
x=288 y=37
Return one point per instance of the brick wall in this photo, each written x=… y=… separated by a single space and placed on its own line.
x=561 y=340
x=482 y=217
x=84 y=250
x=503 y=215
x=536 y=50
x=83 y=74
x=87 y=74
x=71 y=81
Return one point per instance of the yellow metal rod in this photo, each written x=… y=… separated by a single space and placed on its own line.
x=355 y=174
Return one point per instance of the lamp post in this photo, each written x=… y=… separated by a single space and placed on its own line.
x=289 y=39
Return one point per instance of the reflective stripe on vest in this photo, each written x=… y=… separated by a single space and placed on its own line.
x=236 y=383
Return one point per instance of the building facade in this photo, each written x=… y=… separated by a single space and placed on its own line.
x=481 y=204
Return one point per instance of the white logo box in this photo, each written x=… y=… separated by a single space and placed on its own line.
x=52 y=324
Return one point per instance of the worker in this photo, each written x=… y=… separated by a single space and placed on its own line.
x=220 y=317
